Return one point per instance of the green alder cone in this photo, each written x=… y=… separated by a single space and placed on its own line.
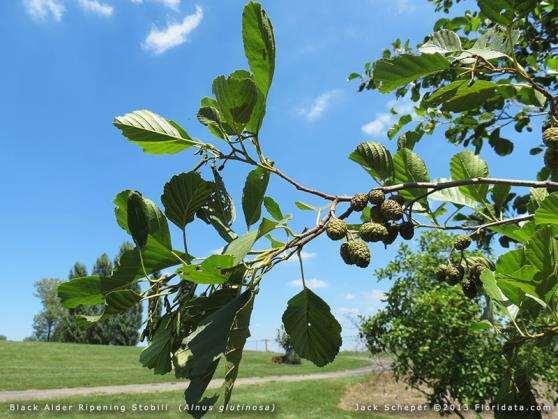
x=359 y=253
x=346 y=254
x=449 y=273
x=376 y=214
x=407 y=230
x=376 y=197
x=469 y=287
x=359 y=202
x=336 y=229
x=373 y=232
x=550 y=137
x=461 y=242
x=392 y=210
x=551 y=158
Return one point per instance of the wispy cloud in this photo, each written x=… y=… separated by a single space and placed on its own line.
x=313 y=283
x=404 y=6
x=384 y=120
x=350 y=296
x=44 y=9
x=304 y=255
x=350 y=311
x=319 y=105
x=96 y=7
x=161 y=40
x=172 y=4
x=374 y=296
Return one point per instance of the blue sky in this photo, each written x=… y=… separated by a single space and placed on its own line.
x=70 y=66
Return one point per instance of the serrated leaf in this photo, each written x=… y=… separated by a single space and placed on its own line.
x=219 y=205
x=521 y=234
x=213 y=270
x=442 y=42
x=409 y=167
x=236 y=98
x=393 y=73
x=273 y=208
x=466 y=165
x=240 y=246
x=183 y=195
x=157 y=225
x=136 y=214
x=499 y=11
x=460 y=95
x=375 y=159
x=259 y=44
x=157 y=355
x=452 y=195
x=547 y=213
x=315 y=333
x=500 y=193
x=153 y=133
x=304 y=206
x=253 y=194
x=84 y=291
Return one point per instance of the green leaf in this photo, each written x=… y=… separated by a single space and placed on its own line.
x=375 y=159
x=213 y=270
x=315 y=333
x=304 y=206
x=120 y=301
x=409 y=167
x=273 y=208
x=460 y=95
x=253 y=194
x=547 y=213
x=209 y=116
x=442 y=42
x=497 y=10
x=136 y=213
x=157 y=355
x=259 y=44
x=220 y=204
x=466 y=165
x=236 y=98
x=240 y=246
x=183 y=195
x=153 y=133
x=84 y=291
x=453 y=195
x=157 y=225
x=391 y=74
x=156 y=257
x=521 y=234
x=500 y=193
x=237 y=339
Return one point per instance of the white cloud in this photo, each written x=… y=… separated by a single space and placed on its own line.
x=350 y=296
x=384 y=120
x=43 y=9
x=350 y=311
x=313 y=283
x=160 y=40
x=304 y=255
x=96 y=7
x=319 y=105
x=374 y=296
x=172 y=4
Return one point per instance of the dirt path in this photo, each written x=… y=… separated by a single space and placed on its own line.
x=58 y=393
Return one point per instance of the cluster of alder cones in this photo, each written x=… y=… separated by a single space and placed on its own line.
x=550 y=139
x=384 y=226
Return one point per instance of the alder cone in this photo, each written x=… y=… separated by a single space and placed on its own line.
x=356 y=252
x=373 y=232
x=392 y=210
x=550 y=137
x=346 y=254
x=336 y=229
x=407 y=230
x=376 y=197
x=551 y=158
x=359 y=202
x=449 y=273
x=393 y=231
x=469 y=288
x=461 y=242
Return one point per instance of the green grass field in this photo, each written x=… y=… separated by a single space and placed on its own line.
x=308 y=399
x=35 y=365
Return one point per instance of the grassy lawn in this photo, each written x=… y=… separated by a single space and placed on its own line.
x=308 y=399
x=35 y=365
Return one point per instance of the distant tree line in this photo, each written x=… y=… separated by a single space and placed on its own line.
x=55 y=323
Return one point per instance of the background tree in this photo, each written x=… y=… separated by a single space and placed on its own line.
x=3 y=338
x=71 y=329
x=46 y=322
x=428 y=325
x=285 y=341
